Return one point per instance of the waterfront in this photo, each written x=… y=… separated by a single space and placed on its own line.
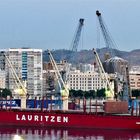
x=34 y=133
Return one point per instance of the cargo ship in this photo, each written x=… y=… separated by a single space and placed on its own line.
x=85 y=115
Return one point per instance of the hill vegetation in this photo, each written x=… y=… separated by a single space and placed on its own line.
x=87 y=56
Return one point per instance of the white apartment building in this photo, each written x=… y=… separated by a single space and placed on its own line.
x=85 y=80
x=27 y=64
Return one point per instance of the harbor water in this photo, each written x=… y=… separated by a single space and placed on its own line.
x=34 y=133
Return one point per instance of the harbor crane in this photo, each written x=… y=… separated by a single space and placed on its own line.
x=103 y=74
x=64 y=91
x=110 y=44
x=74 y=46
x=76 y=39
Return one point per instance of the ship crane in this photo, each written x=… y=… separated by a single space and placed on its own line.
x=23 y=92
x=102 y=73
x=64 y=91
x=110 y=44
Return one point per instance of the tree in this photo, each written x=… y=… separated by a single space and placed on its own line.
x=81 y=93
x=5 y=92
x=92 y=94
x=71 y=93
x=101 y=93
x=135 y=93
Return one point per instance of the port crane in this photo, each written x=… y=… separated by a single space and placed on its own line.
x=110 y=43
x=21 y=88
x=74 y=46
x=76 y=39
x=64 y=91
x=103 y=74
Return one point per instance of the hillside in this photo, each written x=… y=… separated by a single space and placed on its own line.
x=87 y=56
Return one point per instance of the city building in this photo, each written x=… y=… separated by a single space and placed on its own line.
x=86 y=81
x=26 y=64
x=86 y=67
x=134 y=76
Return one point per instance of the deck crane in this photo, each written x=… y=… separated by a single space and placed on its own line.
x=103 y=74
x=22 y=90
x=110 y=44
x=64 y=91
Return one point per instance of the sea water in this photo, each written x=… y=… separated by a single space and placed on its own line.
x=36 y=133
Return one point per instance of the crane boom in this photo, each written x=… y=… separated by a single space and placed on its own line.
x=64 y=90
x=102 y=71
x=22 y=87
x=14 y=73
x=57 y=73
x=110 y=44
x=76 y=39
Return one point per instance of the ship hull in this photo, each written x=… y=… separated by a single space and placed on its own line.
x=68 y=119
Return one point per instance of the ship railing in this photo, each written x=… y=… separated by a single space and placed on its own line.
x=81 y=105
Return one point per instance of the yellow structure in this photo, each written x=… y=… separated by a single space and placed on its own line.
x=108 y=93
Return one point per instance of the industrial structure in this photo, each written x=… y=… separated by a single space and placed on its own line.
x=115 y=64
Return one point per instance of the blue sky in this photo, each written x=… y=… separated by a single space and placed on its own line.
x=51 y=24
